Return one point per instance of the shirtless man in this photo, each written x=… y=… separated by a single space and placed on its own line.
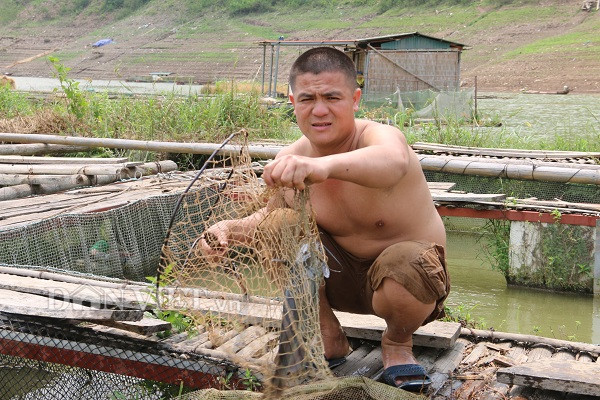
x=384 y=238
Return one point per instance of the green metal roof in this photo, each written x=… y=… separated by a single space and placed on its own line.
x=410 y=40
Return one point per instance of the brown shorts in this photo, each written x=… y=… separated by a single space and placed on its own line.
x=418 y=266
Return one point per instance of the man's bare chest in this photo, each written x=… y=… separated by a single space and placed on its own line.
x=344 y=208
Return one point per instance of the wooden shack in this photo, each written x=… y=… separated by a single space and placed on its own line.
x=386 y=65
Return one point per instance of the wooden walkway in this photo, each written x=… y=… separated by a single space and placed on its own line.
x=463 y=364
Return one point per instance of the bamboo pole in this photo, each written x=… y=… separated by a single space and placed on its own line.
x=54 y=184
x=517 y=337
x=535 y=163
x=502 y=170
x=33 y=149
x=15 y=192
x=18 y=159
x=256 y=151
x=545 y=154
x=40 y=169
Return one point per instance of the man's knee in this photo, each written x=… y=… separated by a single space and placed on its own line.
x=393 y=300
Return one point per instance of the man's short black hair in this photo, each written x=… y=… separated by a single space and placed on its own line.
x=323 y=59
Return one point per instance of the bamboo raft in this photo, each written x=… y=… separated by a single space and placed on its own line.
x=102 y=327
x=463 y=363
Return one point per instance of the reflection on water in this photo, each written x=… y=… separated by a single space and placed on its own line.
x=483 y=292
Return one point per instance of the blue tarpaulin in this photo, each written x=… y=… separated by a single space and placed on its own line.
x=102 y=42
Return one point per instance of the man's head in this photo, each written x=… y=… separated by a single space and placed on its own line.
x=325 y=96
x=323 y=59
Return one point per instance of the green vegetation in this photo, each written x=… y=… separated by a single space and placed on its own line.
x=166 y=117
x=496 y=243
x=57 y=9
x=229 y=106
x=180 y=322
x=572 y=42
x=564 y=256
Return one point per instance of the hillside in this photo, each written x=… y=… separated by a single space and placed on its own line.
x=535 y=45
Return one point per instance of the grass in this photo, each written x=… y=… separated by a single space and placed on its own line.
x=228 y=106
x=224 y=57
x=403 y=20
x=573 y=43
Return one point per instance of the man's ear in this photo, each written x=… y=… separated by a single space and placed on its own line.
x=291 y=96
x=356 y=99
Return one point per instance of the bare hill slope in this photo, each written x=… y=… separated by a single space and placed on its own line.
x=536 y=46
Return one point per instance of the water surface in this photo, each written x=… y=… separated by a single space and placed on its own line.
x=483 y=293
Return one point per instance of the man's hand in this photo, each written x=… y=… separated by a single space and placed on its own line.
x=295 y=172
x=215 y=240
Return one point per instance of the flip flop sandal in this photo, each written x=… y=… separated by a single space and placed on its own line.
x=420 y=384
x=335 y=362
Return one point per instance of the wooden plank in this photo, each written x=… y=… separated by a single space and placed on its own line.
x=440 y=185
x=559 y=204
x=559 y=375
x=436 y=334
x=465 y=197
x=39 y=306
x=145 y=326
x=260 y=346
x=480 y=350
x=86 y=292
x=355 y=364
x=241 y=340
x=60 y=160
x=446 y=363
x=372 y=364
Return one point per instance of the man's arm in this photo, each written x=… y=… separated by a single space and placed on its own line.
x=380 y=161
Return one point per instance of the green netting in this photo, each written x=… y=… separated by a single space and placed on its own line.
x=521 y=189
x=120 y=243
x=449 y=105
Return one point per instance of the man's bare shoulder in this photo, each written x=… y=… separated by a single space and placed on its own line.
x=372 y=132
x=299 y=147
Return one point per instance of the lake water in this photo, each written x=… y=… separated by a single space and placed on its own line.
x=483 y=293
x=46 y=85
x=543 y=116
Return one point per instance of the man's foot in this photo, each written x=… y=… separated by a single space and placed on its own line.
x=401 y=365
x=335 y=362
x=409 y=377
x=335 y=344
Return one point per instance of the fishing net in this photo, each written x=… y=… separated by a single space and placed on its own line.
x=348 y=388
x=267 y=277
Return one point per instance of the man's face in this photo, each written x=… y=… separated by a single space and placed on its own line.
x=324 y=105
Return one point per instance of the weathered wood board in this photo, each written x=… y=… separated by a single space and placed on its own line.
x=436 y=334
x=440 y=185
x=41 y=306
x=145 y=326
x=465 y=197
x=86 y=292
x=551 y=374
